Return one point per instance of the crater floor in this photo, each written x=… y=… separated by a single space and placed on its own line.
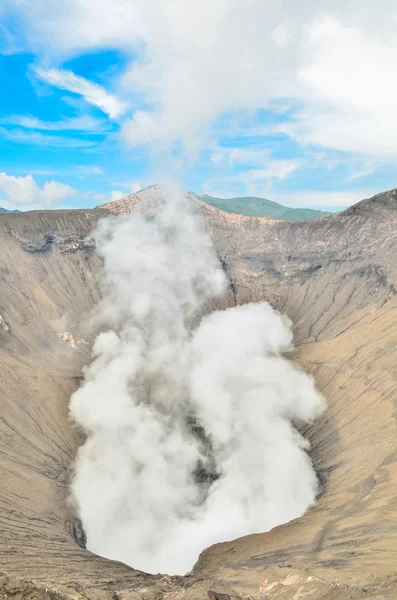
x=336 y=278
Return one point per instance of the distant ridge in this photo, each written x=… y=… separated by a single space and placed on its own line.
x=261 y=207
x=5 y=211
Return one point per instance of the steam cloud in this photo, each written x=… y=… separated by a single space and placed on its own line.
x=189 y=418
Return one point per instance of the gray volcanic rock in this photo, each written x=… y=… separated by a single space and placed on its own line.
x=336 y=278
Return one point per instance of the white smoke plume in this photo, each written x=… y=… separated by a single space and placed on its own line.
x=189 y=419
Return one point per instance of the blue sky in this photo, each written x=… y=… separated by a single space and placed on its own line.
x=101 y=99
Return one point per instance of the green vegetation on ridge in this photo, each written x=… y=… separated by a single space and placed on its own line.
x=261 y=207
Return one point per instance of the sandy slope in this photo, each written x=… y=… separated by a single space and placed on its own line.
x=336 y=278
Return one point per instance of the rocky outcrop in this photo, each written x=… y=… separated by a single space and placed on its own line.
x=336 y=278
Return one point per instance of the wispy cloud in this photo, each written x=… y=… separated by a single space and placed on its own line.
x=250 y=182
x=92 y=92
x=364 y=170
x=243 y=156
x=35 y=138
x=81 y=123
x=8 y=42
x=273 y=169
x=88 y=170
x=45 y=172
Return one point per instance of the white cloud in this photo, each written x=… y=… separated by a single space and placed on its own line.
x=64 y=28
x=142 y=128
x=25 y=193
x=349 y=94
x=92 y=92
x=53 y=192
